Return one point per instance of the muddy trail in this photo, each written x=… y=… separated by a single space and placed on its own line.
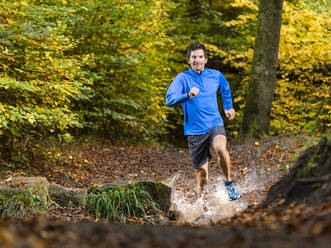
x=282 y=204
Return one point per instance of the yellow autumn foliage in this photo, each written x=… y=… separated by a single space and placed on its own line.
x=302 y=90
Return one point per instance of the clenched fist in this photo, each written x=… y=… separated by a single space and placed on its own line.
x=193 y=92
x=230 y=113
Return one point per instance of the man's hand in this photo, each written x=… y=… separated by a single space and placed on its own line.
x=193 y=92
x=230 y=113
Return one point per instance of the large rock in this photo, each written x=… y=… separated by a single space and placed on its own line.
x=160 y=192
x=32 y=185
x=64 y=196
x=39 y=186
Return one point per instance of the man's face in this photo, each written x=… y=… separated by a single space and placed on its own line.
x=197 y=60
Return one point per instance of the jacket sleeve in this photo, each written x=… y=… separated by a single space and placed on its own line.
x=176 y=92
x=225 y=92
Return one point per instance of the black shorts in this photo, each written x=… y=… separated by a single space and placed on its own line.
x=199 y=145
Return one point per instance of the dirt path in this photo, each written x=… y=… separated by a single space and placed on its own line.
x=256 y=166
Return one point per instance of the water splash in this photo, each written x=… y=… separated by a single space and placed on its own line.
x=214 y=204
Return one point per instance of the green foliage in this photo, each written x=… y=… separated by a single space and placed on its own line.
x=19 y=204
x=120 y=202
x=103 y=67
x=33 y=108
x=38 y=82
x=121 y=45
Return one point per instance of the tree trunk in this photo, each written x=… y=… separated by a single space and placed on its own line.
x=256 y=120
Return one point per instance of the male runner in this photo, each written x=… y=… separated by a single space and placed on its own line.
x=196 y=89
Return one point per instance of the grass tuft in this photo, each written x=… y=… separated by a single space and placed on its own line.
x=20 y=204
x=118 y=203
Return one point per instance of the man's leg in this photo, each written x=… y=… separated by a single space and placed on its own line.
x=202 y=177
x=223 y=156
x=219 y=144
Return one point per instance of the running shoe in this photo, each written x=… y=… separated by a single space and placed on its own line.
x=232 y=191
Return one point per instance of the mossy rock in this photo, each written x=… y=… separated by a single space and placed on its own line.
x=37 y=186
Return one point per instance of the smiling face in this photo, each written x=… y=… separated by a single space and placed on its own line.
x=197 y=60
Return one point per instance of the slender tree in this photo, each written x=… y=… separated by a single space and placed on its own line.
x=261 y=86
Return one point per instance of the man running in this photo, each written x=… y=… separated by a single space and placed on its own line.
x=196 y=89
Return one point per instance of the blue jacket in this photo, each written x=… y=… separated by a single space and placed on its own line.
x=200 y=112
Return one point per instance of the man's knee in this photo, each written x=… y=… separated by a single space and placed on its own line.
x=219 y=145
x=221 y=150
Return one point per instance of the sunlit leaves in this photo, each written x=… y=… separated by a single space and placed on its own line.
x=122 y=48
x=37 y=81
x=107 y=64
x=302 y=90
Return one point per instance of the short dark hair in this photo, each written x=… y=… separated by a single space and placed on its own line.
x=196 y=46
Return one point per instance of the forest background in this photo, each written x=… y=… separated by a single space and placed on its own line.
x=80 y=68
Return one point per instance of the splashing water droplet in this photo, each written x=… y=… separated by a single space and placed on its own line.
x=214 y=204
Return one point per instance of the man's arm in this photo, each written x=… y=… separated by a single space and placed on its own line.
x=226 y=97
x=175 y=93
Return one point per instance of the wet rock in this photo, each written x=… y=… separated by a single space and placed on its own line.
x=174 y=213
